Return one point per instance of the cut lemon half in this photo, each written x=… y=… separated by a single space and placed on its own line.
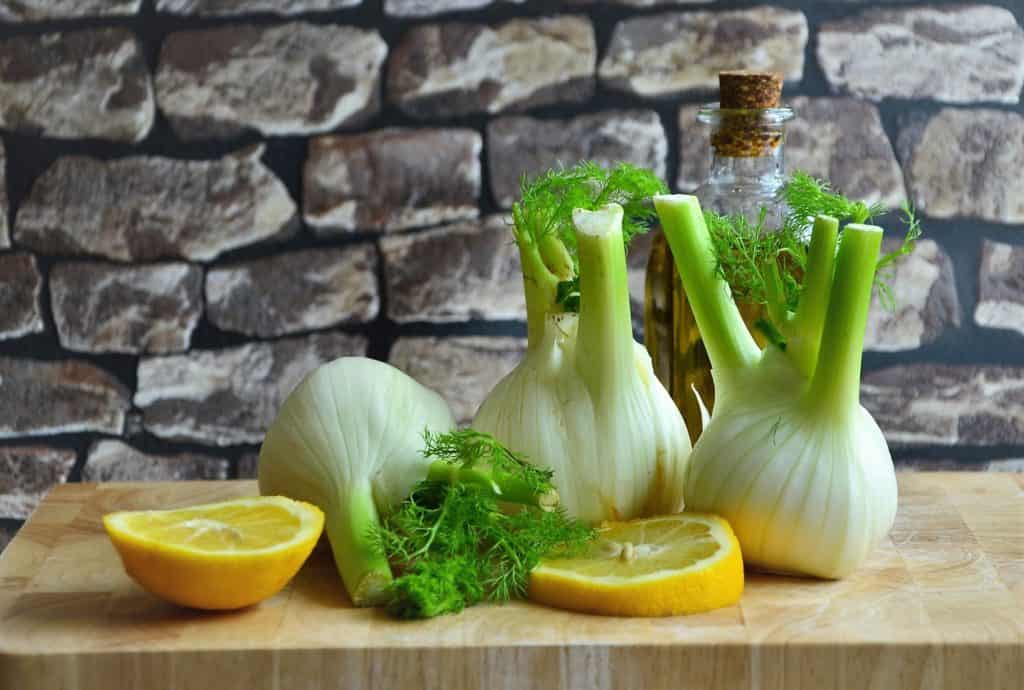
x=660 y=566
x=220 y=555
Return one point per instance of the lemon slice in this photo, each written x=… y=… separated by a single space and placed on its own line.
x=220 y=555
x=661 y=566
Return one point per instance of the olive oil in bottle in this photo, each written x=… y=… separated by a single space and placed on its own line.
x=746 y=176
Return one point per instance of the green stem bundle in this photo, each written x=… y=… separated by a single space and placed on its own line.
x=804 y=332
x=605 y=340
x=836 y=380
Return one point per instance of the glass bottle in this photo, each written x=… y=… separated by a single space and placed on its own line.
x=747 y=174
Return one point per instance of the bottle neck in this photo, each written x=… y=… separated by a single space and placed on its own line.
x=767 y=169
x=744 y=184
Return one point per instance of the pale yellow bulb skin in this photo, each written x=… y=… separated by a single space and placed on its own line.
x=616 y=456
x=354 y=420
x=807 y=492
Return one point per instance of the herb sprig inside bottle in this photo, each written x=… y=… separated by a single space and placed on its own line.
x=765 y=265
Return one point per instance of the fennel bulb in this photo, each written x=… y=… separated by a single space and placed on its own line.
x=349 y=439
x=584 y=400
x=790 y=458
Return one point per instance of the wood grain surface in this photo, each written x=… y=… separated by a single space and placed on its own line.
x=939 y=605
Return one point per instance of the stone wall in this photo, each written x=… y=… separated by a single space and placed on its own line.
x=204 y=199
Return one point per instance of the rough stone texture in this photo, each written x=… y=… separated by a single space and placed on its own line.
x=640 y=3
x=298 y=291
x=114 y=461
x=42 y=398
x=454 y=273
x=925 y=296
x=966 y=162
x=694 y=150
x=1006 y=465
x=229 y=397
x=39 y=10
x=838 y=139
x=842 y=140
x=80 y=84
x=517 y=145
x=682 y=52
x=957 y=54
x=441 y=70
x=209 y=8
x=426 y=8
x=27 y=473
x=462 y=369
x=951 y=465
x=104 y=308
x=5 y=234
x=285 y=79
x=20 y=287
x=392 y=179
x=142 y=208
x=1001 y=287
x=947 y=404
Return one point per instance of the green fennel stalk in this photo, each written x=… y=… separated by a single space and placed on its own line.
x=831 y=313
x=836 y=382
x=605 y=342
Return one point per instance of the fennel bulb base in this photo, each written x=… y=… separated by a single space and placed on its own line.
x=805 y=495
x=372 y=590
x=619 y=450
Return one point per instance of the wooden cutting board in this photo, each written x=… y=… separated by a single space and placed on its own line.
x=939 y=605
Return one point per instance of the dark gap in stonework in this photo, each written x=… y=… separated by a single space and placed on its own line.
x=969 y=454
x=8 y=526
x=385 y=331
x=208 y=336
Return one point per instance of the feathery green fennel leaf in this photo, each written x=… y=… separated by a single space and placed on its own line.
x=765 y=265
x=455 y=543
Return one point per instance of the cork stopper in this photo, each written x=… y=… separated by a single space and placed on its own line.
x=746 y=89
x=740 y=132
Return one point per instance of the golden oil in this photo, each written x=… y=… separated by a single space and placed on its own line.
x=746 y=176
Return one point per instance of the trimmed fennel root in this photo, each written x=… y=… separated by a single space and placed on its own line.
x=790 y=458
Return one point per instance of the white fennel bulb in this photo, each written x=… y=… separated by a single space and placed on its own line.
x=790 y=457
x=349 y=439
x=584 y=400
